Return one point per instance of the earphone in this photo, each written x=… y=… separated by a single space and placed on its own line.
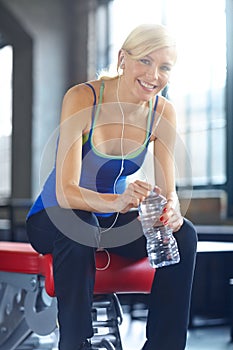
x=122 y=63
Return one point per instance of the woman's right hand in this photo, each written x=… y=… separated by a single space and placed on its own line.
x=134 y=194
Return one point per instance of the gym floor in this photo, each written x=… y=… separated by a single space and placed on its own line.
x=203 y=338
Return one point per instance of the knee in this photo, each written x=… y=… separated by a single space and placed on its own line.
x=187 y=237
x=189 y=228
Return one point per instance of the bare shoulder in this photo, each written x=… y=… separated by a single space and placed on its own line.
x=167 y=109
x=78 y=98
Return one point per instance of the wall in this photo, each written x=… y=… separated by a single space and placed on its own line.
x=59 y=31
x=45 y=22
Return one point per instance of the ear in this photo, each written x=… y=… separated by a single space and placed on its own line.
x=121 y=61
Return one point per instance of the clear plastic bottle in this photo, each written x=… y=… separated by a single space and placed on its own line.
x=162 y=248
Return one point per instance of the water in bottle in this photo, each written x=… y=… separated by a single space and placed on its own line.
x=162 y=248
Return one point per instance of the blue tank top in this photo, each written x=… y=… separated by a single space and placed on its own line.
x=100 y=172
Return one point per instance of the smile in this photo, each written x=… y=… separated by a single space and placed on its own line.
x=147 y=85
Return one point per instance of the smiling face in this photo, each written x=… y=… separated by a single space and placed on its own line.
x=145 y=77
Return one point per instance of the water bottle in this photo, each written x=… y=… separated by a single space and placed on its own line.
x=162 y=248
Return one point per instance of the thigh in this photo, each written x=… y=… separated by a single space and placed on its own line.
x=135 y=249
x=125 y=238
x=132 y=242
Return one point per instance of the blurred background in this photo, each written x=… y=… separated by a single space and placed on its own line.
x=47 y=46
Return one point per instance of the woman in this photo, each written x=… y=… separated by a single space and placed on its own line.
x=87 y=200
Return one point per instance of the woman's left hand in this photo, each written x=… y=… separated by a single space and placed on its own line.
x=171 y=216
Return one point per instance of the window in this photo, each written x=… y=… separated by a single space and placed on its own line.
x=198 y=88
x=198 y=82
x=5 y=119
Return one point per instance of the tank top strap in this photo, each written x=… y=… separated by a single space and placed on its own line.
x=95 y=99
x=152 y=119
x=154 y=112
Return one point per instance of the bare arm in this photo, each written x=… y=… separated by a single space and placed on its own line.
x=165 y=166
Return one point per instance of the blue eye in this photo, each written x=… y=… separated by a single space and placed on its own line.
x=145 y=61
x=166 y=68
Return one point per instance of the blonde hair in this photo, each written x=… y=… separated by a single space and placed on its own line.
x=147 y=38
x=143 y=40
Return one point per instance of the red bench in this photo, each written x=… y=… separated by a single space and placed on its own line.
x=25 y=275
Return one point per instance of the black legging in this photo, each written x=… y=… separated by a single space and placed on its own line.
x=74 y=274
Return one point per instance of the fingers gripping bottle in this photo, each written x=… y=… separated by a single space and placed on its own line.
x=162 y=248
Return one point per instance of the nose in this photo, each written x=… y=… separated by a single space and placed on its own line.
x=153 y=73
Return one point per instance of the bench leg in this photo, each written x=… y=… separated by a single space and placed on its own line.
x=107 y=316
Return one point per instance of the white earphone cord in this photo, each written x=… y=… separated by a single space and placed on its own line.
x=122 y=153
